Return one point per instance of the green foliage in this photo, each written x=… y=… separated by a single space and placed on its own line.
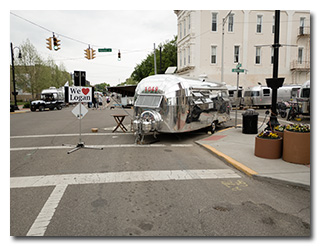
x=146 y=67
x=101 y=87
x=33 y=74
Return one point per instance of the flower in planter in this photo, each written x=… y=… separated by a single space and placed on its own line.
x=280 y=128
x=268 y=134
x=298 y=127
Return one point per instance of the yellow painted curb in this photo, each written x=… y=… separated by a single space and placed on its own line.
x=232 y=161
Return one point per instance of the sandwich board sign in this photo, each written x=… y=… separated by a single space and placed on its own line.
x=80 y=94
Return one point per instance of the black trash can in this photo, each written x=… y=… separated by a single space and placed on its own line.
x=250 y=122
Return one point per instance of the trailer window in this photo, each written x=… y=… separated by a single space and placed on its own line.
x=306 y=92
x=255 y=93
x=148 y=101
x=266 y=92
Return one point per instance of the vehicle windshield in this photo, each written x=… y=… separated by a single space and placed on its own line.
x=48 y=96
x=148 y=101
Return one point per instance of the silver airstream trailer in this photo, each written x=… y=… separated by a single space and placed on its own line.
x=261 y=95
x=172 y=104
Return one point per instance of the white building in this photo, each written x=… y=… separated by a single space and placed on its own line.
x=200 y=45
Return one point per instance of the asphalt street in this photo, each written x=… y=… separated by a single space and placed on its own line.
x=167 y=187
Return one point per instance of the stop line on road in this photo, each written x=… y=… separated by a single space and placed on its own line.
x=103 y=146
x=61 y=183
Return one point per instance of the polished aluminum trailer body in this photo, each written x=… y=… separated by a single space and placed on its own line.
x=171 y=104
x=261 y=95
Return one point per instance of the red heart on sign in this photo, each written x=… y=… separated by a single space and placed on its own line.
x=85 y=91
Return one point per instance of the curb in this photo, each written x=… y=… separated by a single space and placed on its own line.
x=248 y=171
x=241 y=167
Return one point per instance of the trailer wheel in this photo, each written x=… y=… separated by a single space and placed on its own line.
x=59 y=107
x=213 y=127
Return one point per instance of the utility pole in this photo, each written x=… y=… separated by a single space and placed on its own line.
x=155 y=59
x=224 y=20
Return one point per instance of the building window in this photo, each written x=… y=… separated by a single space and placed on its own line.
x=301 y=27
x=180 y=30
x=214 y=54
x=189 y=57
x=258 y=55
x=184 y=27
x=189 y=22
x=273 y=24
x=259 y=24
x=236 y=54
x=184 y=57
x=214 y=22
x=180 y=59
x=230 y=23
x=300 y=54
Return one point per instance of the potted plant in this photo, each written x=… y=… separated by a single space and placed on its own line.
x=279 y=129
x=296 y=144
x=268 y=145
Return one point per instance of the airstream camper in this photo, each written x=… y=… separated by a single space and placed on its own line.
x=262 y=95
x=303 y=98
x=172 y=104
x=235 y=101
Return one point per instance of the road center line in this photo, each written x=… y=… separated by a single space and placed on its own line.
x=119 y=177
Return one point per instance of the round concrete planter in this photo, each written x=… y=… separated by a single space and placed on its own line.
x=296 y=147
x=268 y=148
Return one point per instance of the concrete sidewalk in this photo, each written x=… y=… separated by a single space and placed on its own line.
x=237 y=148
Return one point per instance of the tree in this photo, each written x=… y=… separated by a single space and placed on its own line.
x=169 y=59
x=101 y=87
x=33 y=74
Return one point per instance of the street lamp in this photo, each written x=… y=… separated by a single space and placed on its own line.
x=14 y=93
x=224 y=20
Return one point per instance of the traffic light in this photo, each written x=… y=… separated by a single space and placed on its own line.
x=93 y=53
x=56 y=43
x=87 y=53
x=119 y=56
x=49 y=43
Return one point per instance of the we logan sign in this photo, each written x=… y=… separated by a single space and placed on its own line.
x=80 y=94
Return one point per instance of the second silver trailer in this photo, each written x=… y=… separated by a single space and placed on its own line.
x=262 y=95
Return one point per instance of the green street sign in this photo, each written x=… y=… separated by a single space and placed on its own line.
x=239 y=65
x=105 y=50
x=237 y=70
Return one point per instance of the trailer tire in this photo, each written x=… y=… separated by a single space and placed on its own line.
x=59 y=107
x=213 y=127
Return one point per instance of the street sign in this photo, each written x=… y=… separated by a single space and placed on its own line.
x=76 y=111
x=239 y=65
x=105 y=50
x=80 y=94
x=237 y=70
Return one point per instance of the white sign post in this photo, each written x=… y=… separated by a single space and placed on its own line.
x=80 y=94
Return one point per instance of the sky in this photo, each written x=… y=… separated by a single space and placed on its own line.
x=133 y=32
